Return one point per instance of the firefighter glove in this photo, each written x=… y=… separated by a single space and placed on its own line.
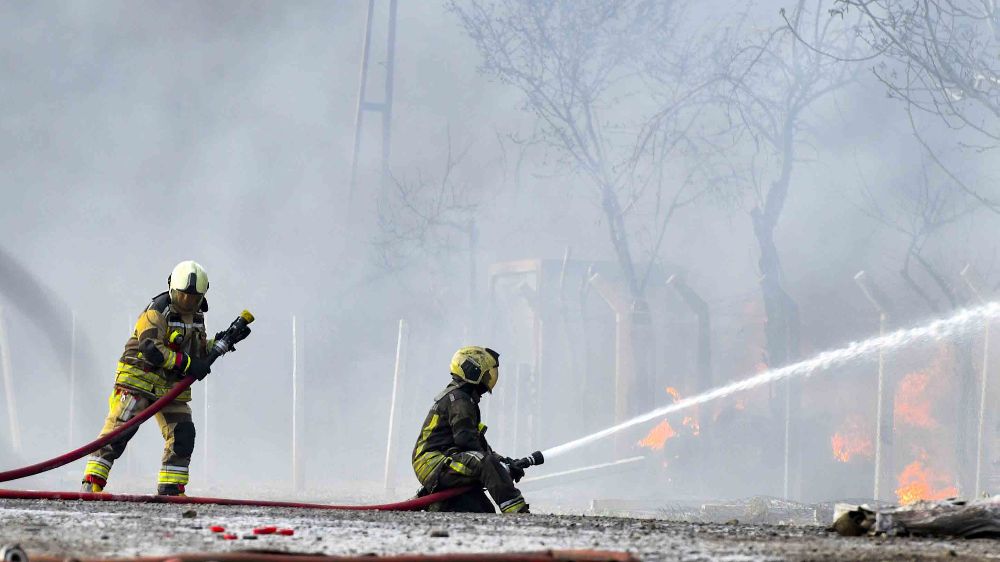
x=516 y=472
x=197 y=367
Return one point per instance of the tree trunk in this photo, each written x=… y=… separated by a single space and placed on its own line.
x=782 y=323
x=636 y=341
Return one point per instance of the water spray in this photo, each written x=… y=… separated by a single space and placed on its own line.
x=957 y=324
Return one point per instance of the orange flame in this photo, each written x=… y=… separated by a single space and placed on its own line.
x=692 y=424
x=674 y=393
x=852 y=440
x=913 y=405
x=917 y=482
x=658 y=437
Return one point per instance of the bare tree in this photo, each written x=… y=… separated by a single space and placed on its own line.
x=919 y=209
x=939 y=58
x=581 y=67
x=773 y=84
x=431 y=217
x=615 y=88
x=774 y=88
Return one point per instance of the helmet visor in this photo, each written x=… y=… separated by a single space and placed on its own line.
x=490 y=378
x=186 y=302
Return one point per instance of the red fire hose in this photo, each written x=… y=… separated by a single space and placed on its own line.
x=257 y=556
x=81 y=452
x=408 y=505
x=144 y=415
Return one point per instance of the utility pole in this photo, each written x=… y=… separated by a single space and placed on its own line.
x=979 y=289
x=399 y=372
x=884 y=394
x=71 y=434
x=8 y=388
x=384 y=106
x=296 y=412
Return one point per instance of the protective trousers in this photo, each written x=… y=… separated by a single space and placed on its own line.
x=472 y=468
x=175 y=425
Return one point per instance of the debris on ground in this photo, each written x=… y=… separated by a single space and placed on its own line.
x=947 y=518
x=978 y=519
x=853 y=520
x=67 y=529
x=761 y=510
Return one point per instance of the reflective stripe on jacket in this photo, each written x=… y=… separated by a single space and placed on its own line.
x=452 y=426
x=150 y=361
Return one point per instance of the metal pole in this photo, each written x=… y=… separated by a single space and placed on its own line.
x=978 y=288
x=883 y=410
x=359 y=116
x=883 y=418
x=8 y=388
x=518 y=381
x=72 y=382
x=390 y=65
x=982 y=410
x=788 y=438
x=625 y=383
x=296 y=481
x=401 y=344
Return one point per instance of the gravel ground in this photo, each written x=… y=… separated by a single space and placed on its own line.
x=86 y=529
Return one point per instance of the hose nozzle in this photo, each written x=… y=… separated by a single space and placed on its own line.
x=237 y=332
x=533 y=459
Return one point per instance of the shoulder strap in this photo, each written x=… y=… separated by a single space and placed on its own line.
x=160 y=302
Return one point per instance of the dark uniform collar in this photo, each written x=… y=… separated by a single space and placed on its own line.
x=475 y=392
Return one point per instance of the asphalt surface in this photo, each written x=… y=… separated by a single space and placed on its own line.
x=89 y=529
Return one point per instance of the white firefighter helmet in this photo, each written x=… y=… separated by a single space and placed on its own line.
x=188 y=284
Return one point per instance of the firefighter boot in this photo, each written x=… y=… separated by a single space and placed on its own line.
x=92 y=484
x=170 y=490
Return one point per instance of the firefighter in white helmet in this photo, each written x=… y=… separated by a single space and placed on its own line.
x=168 y=343
x=452 y=450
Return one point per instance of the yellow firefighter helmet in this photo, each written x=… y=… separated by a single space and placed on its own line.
x=476 y=365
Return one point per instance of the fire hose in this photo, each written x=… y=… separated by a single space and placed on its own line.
x=236 y=332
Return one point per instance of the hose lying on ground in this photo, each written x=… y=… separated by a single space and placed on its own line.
x=408 y=505
x=251 y=556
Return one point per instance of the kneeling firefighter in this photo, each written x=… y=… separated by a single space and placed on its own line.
x=452 y=451
x=169 y=342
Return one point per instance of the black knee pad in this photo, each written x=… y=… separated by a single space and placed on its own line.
x=184 y=439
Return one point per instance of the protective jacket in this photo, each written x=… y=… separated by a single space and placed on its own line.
x=152 y=358
x=452 y=426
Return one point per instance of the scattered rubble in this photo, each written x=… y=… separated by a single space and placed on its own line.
x=762 y=510
x=947 y=518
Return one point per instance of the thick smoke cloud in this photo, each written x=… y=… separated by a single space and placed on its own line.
x=137 y=135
